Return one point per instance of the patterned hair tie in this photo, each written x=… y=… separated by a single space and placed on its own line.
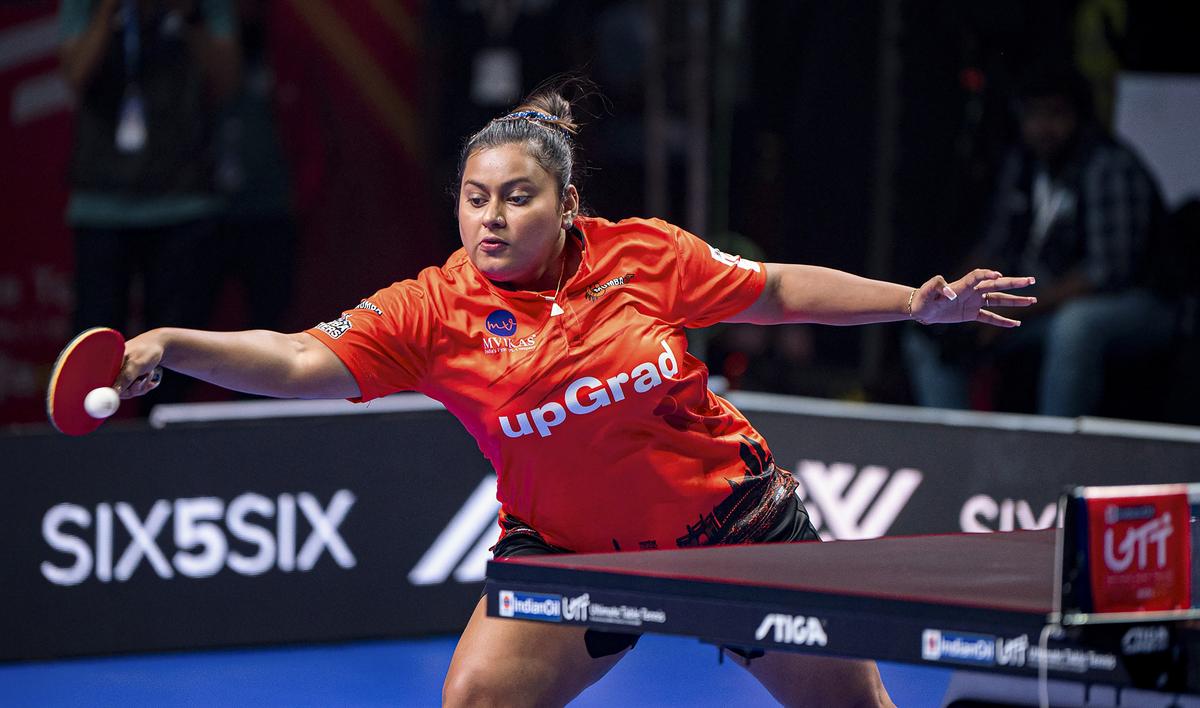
x=531 y=116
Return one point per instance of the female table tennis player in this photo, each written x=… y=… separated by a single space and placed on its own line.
x=558 y=340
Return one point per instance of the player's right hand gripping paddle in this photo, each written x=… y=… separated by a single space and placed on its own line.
x=80 y=396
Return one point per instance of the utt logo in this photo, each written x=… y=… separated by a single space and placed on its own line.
x=501 y=323
x=575 y=609
x=789 y=629
x=1137 y=541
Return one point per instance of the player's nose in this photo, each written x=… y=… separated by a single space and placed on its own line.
x=494 y=219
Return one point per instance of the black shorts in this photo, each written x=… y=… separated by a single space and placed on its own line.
x=790 y=524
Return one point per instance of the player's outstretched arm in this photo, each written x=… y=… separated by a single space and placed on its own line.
x=256 y=361
x=802 y=293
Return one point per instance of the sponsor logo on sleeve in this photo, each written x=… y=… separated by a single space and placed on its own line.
x=369 y=307
x=731 y=260
x=336 y=328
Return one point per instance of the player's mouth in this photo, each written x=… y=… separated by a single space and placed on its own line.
x=491 y=244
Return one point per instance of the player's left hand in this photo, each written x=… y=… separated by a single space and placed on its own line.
x=969 y=299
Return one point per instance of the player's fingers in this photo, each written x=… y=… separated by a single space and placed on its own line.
x=998 y=283
x=130 y=379
x=992 y=299
x=991 y=318
x=138 y=387
x=940 y=289
x=981 y=274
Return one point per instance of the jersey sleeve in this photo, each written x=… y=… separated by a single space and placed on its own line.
x=384 y=341
x=713 y=285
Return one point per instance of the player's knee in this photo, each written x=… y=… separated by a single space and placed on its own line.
x=472 y=686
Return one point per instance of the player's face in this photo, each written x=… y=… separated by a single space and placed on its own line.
x=1047 y=124
x=510 y=217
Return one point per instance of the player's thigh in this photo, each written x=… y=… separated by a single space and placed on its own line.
x=502 y=662
x=807 y=680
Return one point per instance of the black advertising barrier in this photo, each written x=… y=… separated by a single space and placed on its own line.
x=225 y=512
x=873 y=470
x=322 y=526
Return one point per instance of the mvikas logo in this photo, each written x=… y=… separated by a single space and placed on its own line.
x=501 y=323
x=1119 y=556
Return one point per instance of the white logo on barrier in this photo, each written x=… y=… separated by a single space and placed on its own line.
x=462 y=547
x=983 y=514
x=844 y=505
x=202 y=548
x=1137 y=542
x=793 y=629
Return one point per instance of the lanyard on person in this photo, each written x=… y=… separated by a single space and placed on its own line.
x=1048 y=199
x=131 y=121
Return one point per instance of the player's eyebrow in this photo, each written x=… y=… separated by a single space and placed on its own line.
x=503 y=185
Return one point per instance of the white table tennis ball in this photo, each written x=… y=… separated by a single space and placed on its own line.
x=101 y=402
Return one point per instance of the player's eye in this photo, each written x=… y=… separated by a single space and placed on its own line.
x=519 y=199
x=476 y=200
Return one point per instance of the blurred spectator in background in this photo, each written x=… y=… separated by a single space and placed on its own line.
x=1080 y=212
x=257 y=229
x=147 y=76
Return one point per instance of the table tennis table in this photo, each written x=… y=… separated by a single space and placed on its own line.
x=967 y=601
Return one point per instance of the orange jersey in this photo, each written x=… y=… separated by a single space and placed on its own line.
x=600 y=425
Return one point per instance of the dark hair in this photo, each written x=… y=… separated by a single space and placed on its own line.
x=1057 y=78
x=543 y=123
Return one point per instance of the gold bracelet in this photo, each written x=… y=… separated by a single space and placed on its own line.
x=912 y=316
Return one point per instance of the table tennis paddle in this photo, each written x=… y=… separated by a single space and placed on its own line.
x=90 y=361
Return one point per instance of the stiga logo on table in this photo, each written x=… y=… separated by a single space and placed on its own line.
x=792 y=629
x=201 y=533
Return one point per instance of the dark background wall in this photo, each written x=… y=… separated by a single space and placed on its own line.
x=375 y=98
